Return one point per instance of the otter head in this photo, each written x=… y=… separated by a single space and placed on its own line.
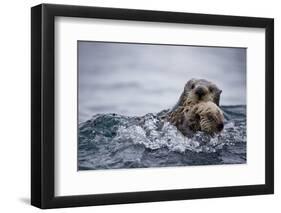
x=206 y=117
x=200 y=90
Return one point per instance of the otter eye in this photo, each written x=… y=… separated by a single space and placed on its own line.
x=211 y=89
x=192 y=86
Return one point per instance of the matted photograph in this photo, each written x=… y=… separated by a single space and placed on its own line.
x=143 y=105
x=180 y=103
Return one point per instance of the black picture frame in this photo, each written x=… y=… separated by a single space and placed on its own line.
x=43 y=102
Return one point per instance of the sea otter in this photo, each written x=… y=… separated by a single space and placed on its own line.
x=196 y=91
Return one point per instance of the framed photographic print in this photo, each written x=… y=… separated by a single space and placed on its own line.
x=139 y=106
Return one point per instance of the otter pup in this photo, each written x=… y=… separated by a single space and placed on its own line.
x=195 y=91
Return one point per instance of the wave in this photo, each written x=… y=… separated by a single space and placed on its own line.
x=109 y=141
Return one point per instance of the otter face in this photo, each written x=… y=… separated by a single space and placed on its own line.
x=198 y=90
x=206 y=117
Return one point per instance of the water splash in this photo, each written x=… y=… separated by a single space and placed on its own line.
x=109 y=141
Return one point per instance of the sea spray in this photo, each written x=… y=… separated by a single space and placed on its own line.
x=111 y=141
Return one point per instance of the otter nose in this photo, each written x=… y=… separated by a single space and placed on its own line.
x=220 y=126
x=200 y=91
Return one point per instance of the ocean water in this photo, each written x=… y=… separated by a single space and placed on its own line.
x=112 y=141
